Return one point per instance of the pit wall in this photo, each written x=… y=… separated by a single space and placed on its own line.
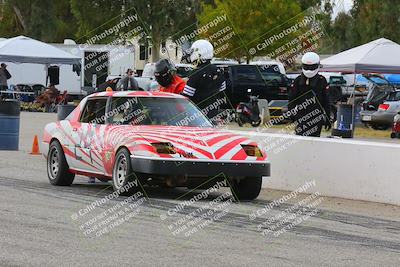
x=342 y=168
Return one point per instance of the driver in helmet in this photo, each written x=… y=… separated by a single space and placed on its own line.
x=308 y=98
x=165 y=74
x=206 y=81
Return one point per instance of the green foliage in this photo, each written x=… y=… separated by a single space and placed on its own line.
x=374 y=19
x=9 y=24
x=368 y=20
x=94 y=17
x=49 y=21
x=165 y=18
x=249 y=21
x=252 y=23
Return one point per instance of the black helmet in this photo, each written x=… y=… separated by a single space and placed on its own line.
x=164 y=72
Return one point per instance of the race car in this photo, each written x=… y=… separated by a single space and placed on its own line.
x=153 y=138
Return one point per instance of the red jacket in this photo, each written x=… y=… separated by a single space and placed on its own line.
x=175 y=87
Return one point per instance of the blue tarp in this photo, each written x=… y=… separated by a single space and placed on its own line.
x=392 y=78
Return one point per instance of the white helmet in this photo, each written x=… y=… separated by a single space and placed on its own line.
x=201 y=50
x=310 y=64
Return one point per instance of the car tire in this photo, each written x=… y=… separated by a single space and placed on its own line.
x=240 y=121
x=57 y=166
x=333 y=113
x=256 y=123
x=123 y=174
x=247 y=188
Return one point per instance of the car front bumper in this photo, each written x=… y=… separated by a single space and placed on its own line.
x=196 y=167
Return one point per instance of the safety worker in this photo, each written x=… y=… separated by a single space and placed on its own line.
x=165 y=74
x=206 y=81
x=308 y=98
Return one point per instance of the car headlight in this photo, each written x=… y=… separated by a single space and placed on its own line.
x=252 y=151
x=164 y=148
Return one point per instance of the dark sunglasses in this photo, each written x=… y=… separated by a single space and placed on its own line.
x=310 y=67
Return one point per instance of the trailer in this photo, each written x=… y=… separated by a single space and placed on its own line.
x=98 y=62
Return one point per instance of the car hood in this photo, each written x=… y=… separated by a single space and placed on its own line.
x=189 y=142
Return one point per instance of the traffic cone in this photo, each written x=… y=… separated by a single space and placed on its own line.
x=35 y=146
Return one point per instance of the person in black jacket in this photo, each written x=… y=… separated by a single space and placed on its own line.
x=207 y=81
x=4 y=76
x=308 y=99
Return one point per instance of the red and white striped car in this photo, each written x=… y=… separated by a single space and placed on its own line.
x=154 y=138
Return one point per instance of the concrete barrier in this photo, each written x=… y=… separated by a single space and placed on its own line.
x=350 y=169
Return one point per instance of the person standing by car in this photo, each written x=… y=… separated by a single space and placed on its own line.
x=206 y=81
x=128 y=83
x=165 y=74
x=4 y=76
x=308 y=98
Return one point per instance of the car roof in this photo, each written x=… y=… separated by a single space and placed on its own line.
x=136 y=94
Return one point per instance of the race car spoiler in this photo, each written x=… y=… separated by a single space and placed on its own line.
x=199 y=167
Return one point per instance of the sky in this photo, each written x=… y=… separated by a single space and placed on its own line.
x=341 y=5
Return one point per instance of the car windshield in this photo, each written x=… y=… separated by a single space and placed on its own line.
x=157 y=111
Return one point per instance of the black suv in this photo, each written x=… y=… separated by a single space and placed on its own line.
x=265 y=81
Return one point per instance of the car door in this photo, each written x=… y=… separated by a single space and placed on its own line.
x=84 y=136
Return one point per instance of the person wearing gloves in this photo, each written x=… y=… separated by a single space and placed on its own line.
x=308 y=98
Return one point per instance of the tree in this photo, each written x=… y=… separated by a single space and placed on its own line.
x=95 y=17
x=39 y=19
x=375 y=19
x=163 y=19
x=10 y=24
x=252 y=22
x=343 y=32
x=159 y=19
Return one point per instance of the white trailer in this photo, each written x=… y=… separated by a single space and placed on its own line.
x=98 y=62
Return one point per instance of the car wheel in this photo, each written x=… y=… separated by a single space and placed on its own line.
x=333 y=113
x=256 y=123
x=240 y=121
x=247 y=188
x=57 y=166
x=124 y=178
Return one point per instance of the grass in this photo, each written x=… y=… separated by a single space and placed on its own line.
x=360 y=131
x=364 y=132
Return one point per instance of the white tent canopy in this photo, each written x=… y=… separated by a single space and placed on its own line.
x=379 y=56
x=23 y=49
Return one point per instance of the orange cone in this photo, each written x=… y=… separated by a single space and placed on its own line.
x=35 y=146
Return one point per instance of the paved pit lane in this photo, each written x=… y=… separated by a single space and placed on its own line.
x=39 y=226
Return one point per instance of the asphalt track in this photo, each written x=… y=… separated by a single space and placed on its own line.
x=38 y=227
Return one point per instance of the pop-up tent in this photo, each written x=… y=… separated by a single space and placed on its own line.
x=23 y=49
x=379 y=56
